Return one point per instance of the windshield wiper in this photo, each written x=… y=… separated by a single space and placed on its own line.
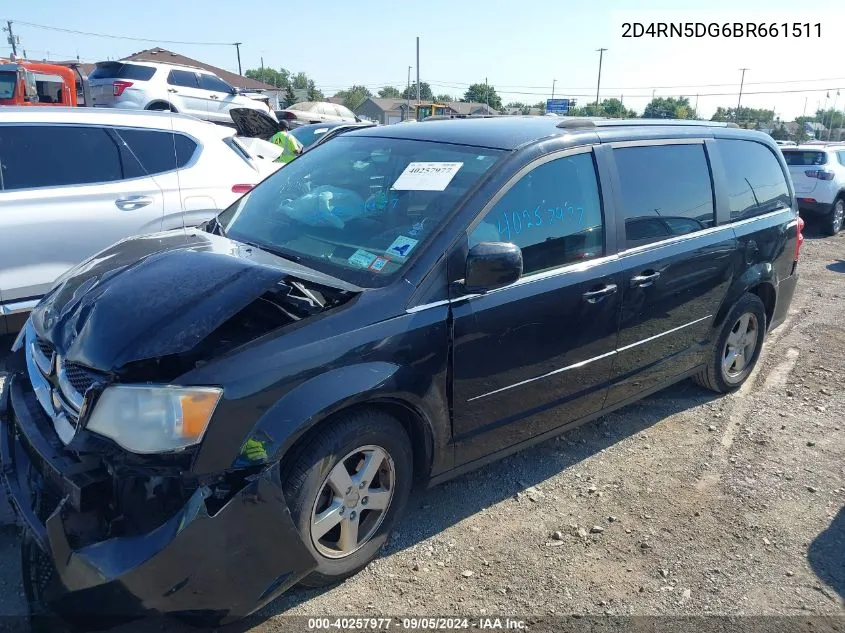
x=273 y=250
x=214 y=227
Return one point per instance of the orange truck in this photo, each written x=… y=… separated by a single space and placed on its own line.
x=26 y=83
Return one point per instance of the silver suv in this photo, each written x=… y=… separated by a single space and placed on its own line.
x=160 y=86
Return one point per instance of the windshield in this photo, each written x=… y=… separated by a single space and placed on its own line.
x=358 y=208
x=308 y=135
x=7 y=84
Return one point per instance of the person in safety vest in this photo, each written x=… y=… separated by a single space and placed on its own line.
x=291 y=148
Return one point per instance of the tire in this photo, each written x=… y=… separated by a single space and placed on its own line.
x=348 y=445
x=832 y=222
x=720 y=374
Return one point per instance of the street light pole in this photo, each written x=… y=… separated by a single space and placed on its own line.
x=237 y=46
x=598 y=85
x=408 y=93
x=741 y=84
x=554 y=81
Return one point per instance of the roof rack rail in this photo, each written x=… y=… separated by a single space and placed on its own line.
x=576 y=123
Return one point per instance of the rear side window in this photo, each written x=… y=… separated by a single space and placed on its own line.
x=755 y=180
x=841 y=157
x=158 y=151
x=183 y=78
x=666 y=191
x=553 y=214
x=803 y=159
x=53 y=156
x=122 y=71
x=214 y=84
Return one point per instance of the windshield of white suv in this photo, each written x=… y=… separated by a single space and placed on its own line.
x=358 y=207
x=7 y=84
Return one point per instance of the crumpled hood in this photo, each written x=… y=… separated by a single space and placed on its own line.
x=152 y=296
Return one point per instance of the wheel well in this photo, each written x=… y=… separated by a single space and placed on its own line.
x=767 y=295
x=411 y=421
x=164 y=104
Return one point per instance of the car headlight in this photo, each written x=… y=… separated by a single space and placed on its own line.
x=145 y=419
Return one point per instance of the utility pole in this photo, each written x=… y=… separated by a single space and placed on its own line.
x=598 y=86
x=12 y=39
x=554 y=81
x=741 y=84
x=418 y=71
x=262 y=69
x=486 y=93
x=237 y=46
x=408 y=93
x=696 y=105
x=832 y=114
x=805 y=107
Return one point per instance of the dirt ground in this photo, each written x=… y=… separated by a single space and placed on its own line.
x=683 y=504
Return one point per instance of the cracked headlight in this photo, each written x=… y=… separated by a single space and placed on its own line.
x=145 y=419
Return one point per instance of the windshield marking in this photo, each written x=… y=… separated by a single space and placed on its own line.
x=429 y=176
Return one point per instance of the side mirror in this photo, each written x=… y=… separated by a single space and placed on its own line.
x=492 y=265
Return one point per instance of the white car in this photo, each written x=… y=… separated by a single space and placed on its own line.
x=316 y=112
x=142 y=85
x=75 y=180
x=818 y=174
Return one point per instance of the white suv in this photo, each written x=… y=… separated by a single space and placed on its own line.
x=75 y=180
x=159 y=86
x=818 y=173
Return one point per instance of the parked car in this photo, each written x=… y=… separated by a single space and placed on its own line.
x=73 y=181
x=248 y=408
x=313 y=134
x=316 y=112
x=818 y=173
x=141 y=85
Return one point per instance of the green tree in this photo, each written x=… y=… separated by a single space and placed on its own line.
x=389 y=92
x=748 y=117
x=279 y=78
x=290 y=97
x=483 y=93
x=541 y=106
x=444 y=98
x=669 y=108
x=300 y=81
x=780 y=133
x=354 y=97
x=425 y=92
x=313 y=93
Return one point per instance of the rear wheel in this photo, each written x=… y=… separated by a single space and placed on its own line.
x=832 y=222
x=737 y=347
x=347 y=490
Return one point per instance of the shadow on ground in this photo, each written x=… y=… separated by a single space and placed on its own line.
x=827 y=555
x=837 y=266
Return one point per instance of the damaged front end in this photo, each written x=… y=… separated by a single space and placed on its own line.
x=130 y=530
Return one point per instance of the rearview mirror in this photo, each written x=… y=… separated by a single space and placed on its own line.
x=492 y=265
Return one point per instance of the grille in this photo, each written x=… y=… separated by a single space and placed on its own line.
x=45 y=347
x=79 y=376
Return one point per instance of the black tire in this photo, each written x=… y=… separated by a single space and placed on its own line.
x=305 y=481
x=832 y=222
x=714 y=376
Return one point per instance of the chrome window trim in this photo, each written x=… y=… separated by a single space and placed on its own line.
x=656 y=142
x=589 y=360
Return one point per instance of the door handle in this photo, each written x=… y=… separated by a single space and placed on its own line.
x=172 y=90
x=131 y=203
x=214 y=97
x=644 y=280
x=594 y=296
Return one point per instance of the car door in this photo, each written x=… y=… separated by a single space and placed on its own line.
x=537 y=355
x=185 y=93
x=68 y=191
x=676 y=263
x=220 y=97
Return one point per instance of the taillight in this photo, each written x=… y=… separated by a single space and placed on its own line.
x=821 y=174
x=241 y=188
x=120 y=86
x=800 y=239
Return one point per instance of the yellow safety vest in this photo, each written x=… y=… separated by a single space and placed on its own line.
x=290 y=146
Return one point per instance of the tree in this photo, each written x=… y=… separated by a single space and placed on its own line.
x=444 y=98
x=313 y=93
x=300 y=81
x=425 y=92
x=483 y=93
x=669 y=108
x=748 y=117
x=290 y=97
x=389 y=92
x=279 y=78
x=354 y=97
x=780 y=133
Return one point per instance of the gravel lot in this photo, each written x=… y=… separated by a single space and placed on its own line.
x=683 y=504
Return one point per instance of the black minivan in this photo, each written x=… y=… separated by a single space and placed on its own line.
x=204 y=418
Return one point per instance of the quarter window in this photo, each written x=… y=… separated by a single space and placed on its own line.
x=666 y=191
x=158 y=151
x=553 y=214
x=755 y=180
x=53 y=156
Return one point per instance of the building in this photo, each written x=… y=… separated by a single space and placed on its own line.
x=387 y=111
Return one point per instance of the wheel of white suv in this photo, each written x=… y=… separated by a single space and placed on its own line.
x=832 y=223
x=737 y=347
x=346 y=491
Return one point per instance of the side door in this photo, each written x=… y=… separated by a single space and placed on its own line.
x=677 y=263
x=185 y=94
x=220 y=95
x=68 y=191
x=537 y=355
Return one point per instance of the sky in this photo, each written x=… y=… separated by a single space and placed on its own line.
x=520 y=49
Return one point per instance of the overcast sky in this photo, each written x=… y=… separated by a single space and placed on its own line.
x=519 y=47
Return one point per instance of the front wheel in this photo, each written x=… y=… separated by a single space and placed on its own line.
x=347 y=490
x=737 y=347
x=832 y=223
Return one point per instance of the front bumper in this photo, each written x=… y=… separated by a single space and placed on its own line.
x=222 y=566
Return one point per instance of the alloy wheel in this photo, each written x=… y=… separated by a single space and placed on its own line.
x=740 y=346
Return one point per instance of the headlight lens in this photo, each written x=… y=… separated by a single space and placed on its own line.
x=147 y=420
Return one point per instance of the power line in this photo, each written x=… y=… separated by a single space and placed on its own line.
x=747 y=83
x=119 y=37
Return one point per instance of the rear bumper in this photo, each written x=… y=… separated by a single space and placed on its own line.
x=223 y=566
x=812 y=207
